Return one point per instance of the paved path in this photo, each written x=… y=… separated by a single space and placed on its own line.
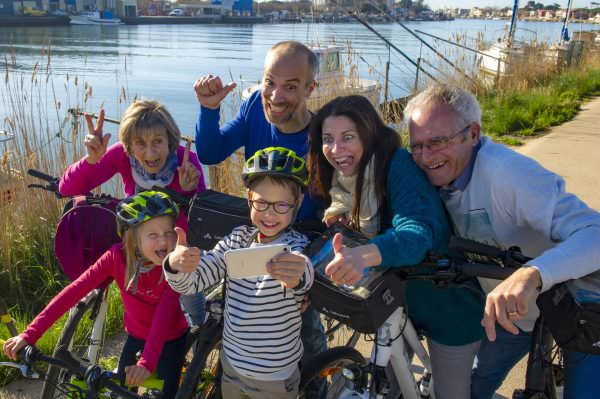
x=573 y=151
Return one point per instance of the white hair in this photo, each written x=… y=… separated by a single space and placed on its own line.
x=463 y=104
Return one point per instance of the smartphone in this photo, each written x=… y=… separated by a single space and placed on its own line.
x=251 y=262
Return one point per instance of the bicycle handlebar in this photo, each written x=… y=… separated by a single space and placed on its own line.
x=512 y=257
x=95 y=376
x=52 y=185
x=462 y=244
x=42 y=175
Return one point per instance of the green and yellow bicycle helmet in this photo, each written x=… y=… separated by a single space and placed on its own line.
x=137 y=209
x=276 y=161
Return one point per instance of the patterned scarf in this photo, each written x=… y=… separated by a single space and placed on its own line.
x=145 y=181
x=343 y=191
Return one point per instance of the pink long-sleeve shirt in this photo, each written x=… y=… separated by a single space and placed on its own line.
x=82 y=177
x=153 y=314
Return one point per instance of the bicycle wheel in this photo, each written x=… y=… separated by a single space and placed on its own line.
x=77 y=335
x=327 y=367
x=203 y=374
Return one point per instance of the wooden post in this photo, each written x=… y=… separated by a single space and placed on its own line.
x=385 y=86
x=416 y=87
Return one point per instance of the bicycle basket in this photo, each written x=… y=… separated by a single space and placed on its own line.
x=363 y=307
x=86 y=229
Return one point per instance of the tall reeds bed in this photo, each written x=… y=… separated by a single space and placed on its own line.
x=45 y=140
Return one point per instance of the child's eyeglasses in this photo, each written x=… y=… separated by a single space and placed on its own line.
x=279 y=207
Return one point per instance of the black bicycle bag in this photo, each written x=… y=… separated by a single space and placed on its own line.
x=571 y=310
x=364 y=306
x=213 y=215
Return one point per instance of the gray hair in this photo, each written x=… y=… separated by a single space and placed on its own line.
x=464 y=104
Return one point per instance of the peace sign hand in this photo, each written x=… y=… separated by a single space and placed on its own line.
x=189 y=175
x=95 y=142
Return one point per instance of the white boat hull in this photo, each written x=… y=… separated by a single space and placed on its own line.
x=84 y=20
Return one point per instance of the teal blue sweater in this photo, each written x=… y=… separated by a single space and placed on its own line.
x=416 y=224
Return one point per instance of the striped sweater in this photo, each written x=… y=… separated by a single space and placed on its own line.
x=261 y=337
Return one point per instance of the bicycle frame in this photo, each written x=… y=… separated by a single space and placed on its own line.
x=405 y=341
x=397 y=342
x=98 y=327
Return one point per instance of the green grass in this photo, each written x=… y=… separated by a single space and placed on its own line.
x=48 y=341
x=514 y=114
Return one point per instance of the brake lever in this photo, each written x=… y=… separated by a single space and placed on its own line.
x=26 y=370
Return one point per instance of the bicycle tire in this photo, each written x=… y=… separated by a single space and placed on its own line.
x=328 y=365
x=57 y=377
x=203 y=374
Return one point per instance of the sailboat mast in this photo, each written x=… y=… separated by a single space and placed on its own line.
x=513 y=22
x=564 y=32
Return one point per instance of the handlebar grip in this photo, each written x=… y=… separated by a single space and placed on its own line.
x=486 y=271
x=41 y=175
x=462 y=244
x=71 y=361
x=28 y=354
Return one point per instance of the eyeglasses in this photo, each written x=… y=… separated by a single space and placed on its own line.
x=279 y=207
x=437 y=143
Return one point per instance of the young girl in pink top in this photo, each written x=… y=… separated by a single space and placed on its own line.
x=153 y=318
x=148 y=154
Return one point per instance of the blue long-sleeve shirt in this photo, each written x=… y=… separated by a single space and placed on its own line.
x=249 y=129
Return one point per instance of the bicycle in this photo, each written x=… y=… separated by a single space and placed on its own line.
x=87 y=380
x=347 y=374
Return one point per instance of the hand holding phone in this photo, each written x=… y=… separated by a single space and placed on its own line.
x=251 y=262
x=288 y=268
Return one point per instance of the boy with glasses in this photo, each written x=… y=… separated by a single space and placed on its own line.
x=261 y=338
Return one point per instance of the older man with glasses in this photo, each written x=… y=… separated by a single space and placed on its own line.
x=496 y=196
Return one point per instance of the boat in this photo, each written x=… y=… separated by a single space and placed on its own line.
x=494 y=62
x=94 y=18
x=332 y=81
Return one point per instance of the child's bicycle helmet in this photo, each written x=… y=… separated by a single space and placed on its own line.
x=139 y=208
x=276 y=161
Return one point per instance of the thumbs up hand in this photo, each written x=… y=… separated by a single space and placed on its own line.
x=210 y=91
x=348 y=264
x=183 y=258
